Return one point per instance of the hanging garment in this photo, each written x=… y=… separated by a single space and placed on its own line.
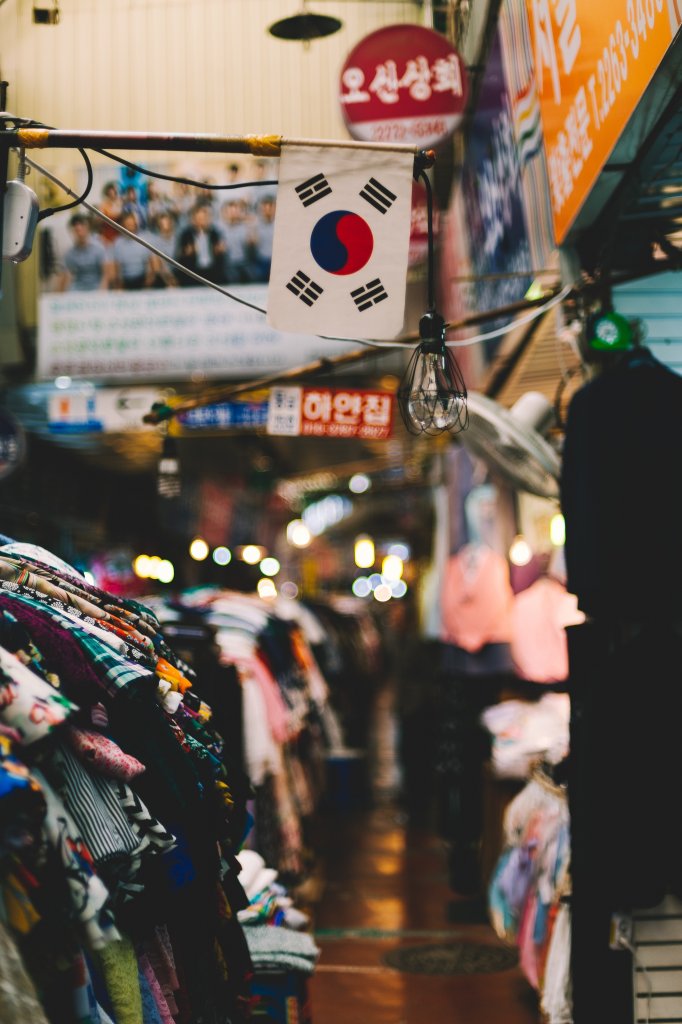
x=89 y=896
x=476 y=599
x=119 y=966
x=93 y=803
x=557 y=1002
x=281 y=948
x=28 y=704
x=160 y=1009
x=623 y=549
x=19 y=549
x=18 y=998
x=539 y=618
x=85 y=666
x=102 y=755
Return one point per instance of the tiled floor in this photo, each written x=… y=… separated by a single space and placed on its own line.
x=384 y=885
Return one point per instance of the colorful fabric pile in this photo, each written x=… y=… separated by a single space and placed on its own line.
x=288 y=720
x=121 y=812
x=524 y=732
x=529 y=891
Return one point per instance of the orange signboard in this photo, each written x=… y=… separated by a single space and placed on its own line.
x=593 y=61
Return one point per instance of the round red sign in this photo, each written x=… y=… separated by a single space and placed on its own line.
x=403 y=84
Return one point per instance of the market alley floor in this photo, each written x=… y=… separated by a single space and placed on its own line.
x=397 y=945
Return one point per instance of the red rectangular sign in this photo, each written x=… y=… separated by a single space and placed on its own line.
x=333 y=412
x=330 y=412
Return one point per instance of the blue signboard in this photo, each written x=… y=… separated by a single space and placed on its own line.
x=226 y=416
x=493 y=195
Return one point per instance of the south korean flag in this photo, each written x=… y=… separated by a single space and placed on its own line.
x=342 y=231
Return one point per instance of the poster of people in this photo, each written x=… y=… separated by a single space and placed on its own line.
x=112 y=310
x=224 y=235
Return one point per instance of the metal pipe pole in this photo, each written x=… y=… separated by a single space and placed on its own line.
x=257 y=145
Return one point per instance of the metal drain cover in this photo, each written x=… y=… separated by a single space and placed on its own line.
x=454 y=958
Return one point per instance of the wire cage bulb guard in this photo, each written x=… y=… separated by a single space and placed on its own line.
x=432 y=396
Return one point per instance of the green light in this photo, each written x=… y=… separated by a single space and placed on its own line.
x=609 y=331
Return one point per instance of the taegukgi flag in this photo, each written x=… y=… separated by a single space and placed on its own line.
x=342 y=232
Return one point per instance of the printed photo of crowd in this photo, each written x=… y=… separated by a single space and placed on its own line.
x=223 y=235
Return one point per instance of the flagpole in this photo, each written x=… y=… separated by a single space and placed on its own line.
x=38 y=137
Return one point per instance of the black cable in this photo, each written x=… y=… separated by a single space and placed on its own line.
x=75 y=202
x=174 y=177
x=431 y=285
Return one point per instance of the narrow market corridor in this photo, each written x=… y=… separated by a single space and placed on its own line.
x=397 y=945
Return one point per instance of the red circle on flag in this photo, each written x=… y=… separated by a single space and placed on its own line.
x=404 y=84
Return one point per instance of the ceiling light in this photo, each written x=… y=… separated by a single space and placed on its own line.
x=298 y=534
x=359 y=483
x=266 y=589
x=520 y=552
x=198 y=549
x=304 y=26
x=252 y=554
x=361 y=587
x=166 y=571
x=557 y=530
x=222 y=555
x=141 y=566
x=400 y=551
x=392 y=567
x=364 y=552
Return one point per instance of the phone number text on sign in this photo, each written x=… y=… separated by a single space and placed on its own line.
x=593 y=63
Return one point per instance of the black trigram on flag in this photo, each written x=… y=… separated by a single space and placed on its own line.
x=303 y=288
x=313 y=189
x=369 y=294
x=381 y=198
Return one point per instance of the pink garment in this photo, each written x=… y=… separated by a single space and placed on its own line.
x=153 y=982
x=476 y=599
x=160 y=954
x=274 y=702
x=539 y=618
x=528 y=951
x=103 y=755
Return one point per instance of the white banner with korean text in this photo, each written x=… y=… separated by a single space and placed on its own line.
x=170 y=334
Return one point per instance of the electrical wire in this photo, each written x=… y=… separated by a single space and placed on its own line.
x=474 y=340
x=147 y=245
x=175 y=177
x=79 y=199
x=513 y=324
x=431 y=256
x=27 y=122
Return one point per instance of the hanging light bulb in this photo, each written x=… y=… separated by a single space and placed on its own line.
x=168 y=484
x=432 y=396
x=364 y=552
